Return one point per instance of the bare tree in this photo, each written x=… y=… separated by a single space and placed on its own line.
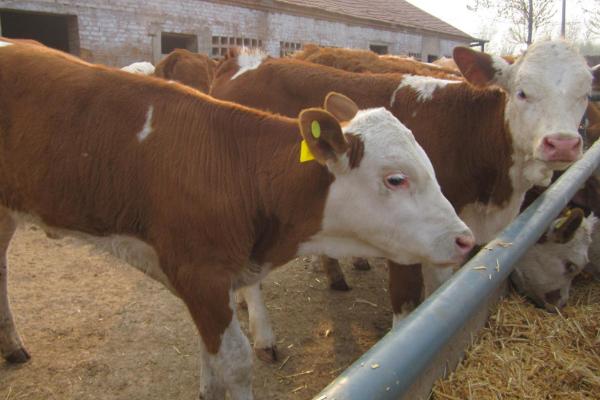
x=591 y=11
x=527 y=17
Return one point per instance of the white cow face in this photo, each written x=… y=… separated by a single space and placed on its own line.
x=546 y=271
x=547 y=91
x=390 y=204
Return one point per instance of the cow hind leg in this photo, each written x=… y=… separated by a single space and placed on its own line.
x=11 y=346
x=260 y=326
x=335 y=276
x=226 y=355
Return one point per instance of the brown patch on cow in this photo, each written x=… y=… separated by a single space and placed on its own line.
x=192 y=69
x=356 y=150
x=353 y=60
x=406 y=285
x=475 y=66
x=596 y=76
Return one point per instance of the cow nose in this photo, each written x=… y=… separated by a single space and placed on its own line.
x=557 y=147
x=465 y=244
x=554 y=298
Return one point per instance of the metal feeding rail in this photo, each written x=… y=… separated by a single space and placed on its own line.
x=392 y=365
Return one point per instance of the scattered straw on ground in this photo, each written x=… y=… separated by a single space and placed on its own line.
x=528 y=353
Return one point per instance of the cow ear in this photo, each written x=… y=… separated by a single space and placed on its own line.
x=563 y=228
x=322 y=134
x=340 y=106
x=480 y=69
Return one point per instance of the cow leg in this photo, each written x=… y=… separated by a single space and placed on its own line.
x=361 y=264
x=11 y=346
x=260 y=326
x=434 y=277
x=226 y=355
x=406 y=287
x=334 y=273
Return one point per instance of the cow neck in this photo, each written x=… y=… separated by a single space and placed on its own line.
x=462 y=130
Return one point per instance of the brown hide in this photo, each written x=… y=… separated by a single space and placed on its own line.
x=212 y=186
x=192 y=69
x=354 y=60
x=461 y=129
x=592 y=113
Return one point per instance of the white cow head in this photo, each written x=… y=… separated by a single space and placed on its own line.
x=546 y=271
x=385 y=200
x=547 y=90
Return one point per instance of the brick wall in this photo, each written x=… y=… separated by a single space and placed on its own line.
x=119 y=32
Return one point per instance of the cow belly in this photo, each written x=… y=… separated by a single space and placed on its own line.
x=133 y=251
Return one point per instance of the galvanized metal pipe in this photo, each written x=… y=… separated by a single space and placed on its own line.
x=390 y=367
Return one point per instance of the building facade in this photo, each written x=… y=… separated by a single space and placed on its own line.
x=119 y=32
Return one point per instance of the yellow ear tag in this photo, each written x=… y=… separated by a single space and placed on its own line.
x=560 y=222
x=305 y=153
x=315 y=128
x=564 y=219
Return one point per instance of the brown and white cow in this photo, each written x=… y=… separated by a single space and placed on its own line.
x=192 y=69
x=206 y=196
x=490 y=139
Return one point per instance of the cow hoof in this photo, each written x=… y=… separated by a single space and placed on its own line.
x=362 y=265
x=267 y=354
x=340 y=285
x=19 y=356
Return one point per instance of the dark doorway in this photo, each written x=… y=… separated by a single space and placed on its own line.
x=379 y=49
x=431 y=58
x=172 y=41
x=57 y=31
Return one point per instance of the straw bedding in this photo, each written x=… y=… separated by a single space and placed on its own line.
x=527 y=353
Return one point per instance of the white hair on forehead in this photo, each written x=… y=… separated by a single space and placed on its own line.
x=385 y=136
x=249 y=58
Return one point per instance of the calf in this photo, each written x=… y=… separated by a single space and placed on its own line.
x=546 y=271
x=192 y=69
x=490 y=137
x=203 y=195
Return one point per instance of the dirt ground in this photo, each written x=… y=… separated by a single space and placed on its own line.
x=98 y=329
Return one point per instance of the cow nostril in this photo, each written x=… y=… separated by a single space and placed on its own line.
x=548 y=143
x=465 y=243
x=553 y=297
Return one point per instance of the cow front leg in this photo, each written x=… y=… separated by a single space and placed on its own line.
x=11 y=346
x=260 y=326
x=406 y=288
x=226 y=355
x=335 y=276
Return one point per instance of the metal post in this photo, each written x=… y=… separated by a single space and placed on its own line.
x=563 y=20
x=389 y=368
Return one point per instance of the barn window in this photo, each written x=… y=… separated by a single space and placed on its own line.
x=416 y=56
x=431 y=58
x=378 y=48
x=172 y=41
x=287 y=48
x=54 y=30
x=221 y=44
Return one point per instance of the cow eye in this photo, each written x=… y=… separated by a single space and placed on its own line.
x=521 y=95
x=396 y=181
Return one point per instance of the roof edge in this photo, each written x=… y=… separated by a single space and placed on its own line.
x=318 y=13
